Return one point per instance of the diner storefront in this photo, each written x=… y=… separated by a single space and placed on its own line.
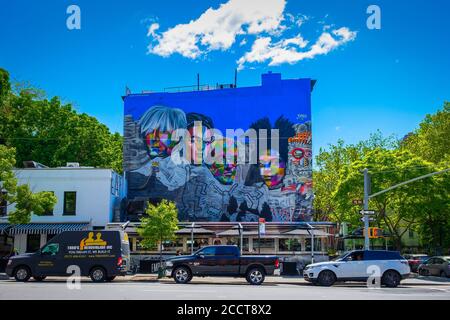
x=292 y=242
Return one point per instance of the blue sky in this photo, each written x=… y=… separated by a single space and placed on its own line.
x=384 y=79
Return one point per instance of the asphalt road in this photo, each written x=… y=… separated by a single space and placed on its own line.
x=217 y=289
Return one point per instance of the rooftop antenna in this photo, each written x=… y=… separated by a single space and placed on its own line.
x=198 y=81
x=235 y=78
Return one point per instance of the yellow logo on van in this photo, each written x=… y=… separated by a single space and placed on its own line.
x=90 y=241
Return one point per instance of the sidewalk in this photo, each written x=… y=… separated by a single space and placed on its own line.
x=414 y=280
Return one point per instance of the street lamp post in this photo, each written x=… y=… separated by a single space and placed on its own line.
x=366 y=207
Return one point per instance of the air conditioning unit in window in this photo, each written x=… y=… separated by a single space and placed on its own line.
x=72 y=165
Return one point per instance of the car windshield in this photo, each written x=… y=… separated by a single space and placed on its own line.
x=341 y=257
x=447 y=259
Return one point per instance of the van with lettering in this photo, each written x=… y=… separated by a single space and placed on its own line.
x=101 y=255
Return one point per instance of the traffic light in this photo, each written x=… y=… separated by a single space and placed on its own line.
x=375 y=233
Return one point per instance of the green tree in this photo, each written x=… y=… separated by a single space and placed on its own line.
x=159 y=225
x=330 y=162
x=26 y=202
x=397 y=210
x=53 y=133
x=431 y=140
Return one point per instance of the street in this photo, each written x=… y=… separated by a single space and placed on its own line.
x=219 y=289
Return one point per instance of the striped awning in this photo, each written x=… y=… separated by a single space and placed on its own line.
x=48 y=228
x=3 y=227
x=303 y=232
x=193 y=230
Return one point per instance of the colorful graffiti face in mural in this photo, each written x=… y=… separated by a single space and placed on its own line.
x=223 y=171
x=197 y=124
x=272 y=169
x=157 y=127
x=160 y=144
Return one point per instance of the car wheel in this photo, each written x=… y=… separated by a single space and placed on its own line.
x=391 y=279
x=326 y=278
x=22 y=274
x=255 y=276
x=39 y=279
x=443 y=274
x=110 y=278
x=98 y=274
x=182 y=275
x=424 y=272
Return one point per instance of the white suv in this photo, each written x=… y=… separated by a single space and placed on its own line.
x=389 y=266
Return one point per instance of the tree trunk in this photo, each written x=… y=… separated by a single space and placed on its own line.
x=160 y=269
x=398 y=242
x=160 y=251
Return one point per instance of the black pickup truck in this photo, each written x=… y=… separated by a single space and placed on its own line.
x=222 y=261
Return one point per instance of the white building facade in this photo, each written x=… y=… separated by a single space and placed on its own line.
x=87 y=199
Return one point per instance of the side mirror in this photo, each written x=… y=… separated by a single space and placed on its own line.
x=201 y=256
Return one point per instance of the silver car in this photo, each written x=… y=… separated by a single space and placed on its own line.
x=435 y=266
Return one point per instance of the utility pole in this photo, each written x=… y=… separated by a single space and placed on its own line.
x=366 y=207
x=259 y=237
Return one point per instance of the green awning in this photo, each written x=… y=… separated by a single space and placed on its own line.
x=48 y=228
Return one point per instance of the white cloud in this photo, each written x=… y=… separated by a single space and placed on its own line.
x=296 y=20
x=152 y=30
x=216 y=29
x=241 y=21
x=288 y=50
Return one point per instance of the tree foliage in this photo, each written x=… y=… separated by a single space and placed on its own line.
x=397 y=210
x=431 y=140
x=422 y=206
x=53 y=133
x=330 y=163
x=159 y=224
x=25 y=201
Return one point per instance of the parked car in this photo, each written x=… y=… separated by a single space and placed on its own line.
x=222 y=261
x=435 y=266
x=414 y=260
x=355 y=266
x=102 y=255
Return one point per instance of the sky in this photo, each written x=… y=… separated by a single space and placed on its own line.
x=384 y=79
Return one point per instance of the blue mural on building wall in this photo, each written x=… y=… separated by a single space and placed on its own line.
x=277 y=186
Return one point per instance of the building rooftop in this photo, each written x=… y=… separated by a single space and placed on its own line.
x=267 y=79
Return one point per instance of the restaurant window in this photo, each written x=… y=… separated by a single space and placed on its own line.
x=173 y=245
x=33 y=242
x=317 y=244
x=290 y=245
x=49 y=212
x=264 y=244
x=70 y=203
x=236 y=241
x=140 y=247
x=198 y=243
